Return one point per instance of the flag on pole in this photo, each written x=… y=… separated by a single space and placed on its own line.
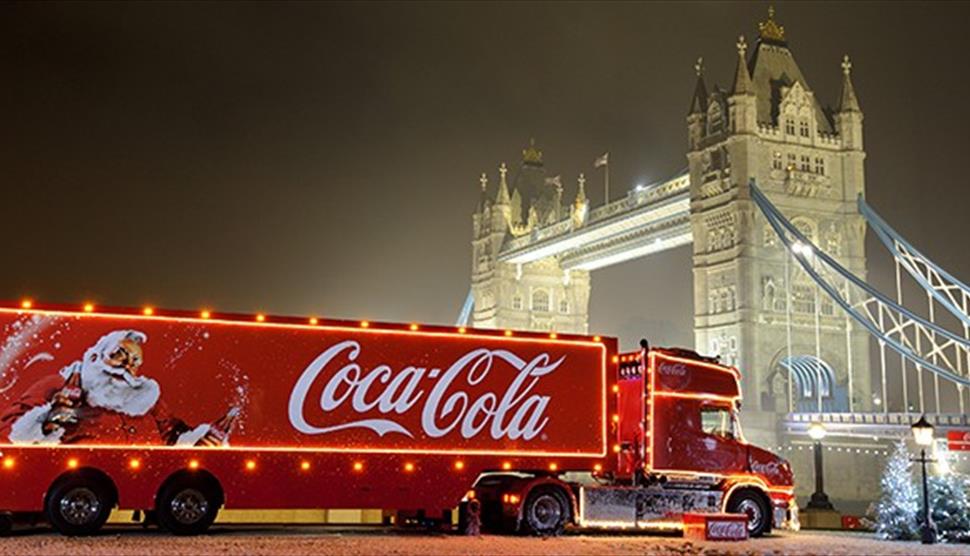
x=602 y=161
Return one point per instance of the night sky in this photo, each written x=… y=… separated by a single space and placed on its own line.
x=324 y=158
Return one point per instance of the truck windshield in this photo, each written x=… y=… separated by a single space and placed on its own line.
x=717 y=421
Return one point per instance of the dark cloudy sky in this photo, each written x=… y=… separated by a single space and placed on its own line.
x=324 y=158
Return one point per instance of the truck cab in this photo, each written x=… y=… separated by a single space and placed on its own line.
x=678 y=427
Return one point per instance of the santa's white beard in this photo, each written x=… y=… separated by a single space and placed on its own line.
x=129 y=394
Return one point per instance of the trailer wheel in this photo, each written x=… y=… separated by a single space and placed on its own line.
x=78 y=504
x=187 y=505
x=546 y=511
x=753 y=504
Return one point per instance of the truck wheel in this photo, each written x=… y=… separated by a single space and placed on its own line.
x=753 y=505
x=78 y=505
x=186 y=507
x=546 y=512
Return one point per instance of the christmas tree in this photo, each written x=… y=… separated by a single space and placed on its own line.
x=950 y=507
x=896 y=512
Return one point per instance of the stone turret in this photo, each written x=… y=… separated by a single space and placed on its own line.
x=848 y=119
x=697 y=117
x=742 y=107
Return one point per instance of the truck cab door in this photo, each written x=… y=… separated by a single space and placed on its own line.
x=720 y=439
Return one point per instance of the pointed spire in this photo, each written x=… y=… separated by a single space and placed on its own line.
x=848 y=102
x=483 y=198
x=698 y=105
x=742 y=81
x=581 y=192
x=503 y=187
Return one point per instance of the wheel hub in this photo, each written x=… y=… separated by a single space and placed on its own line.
x=189 y=506
x=546 y=511
x=753 y=510
x=80 y=506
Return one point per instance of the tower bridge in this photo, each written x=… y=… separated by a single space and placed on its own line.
x=772 y=205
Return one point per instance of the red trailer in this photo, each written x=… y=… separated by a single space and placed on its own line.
x=179 y=414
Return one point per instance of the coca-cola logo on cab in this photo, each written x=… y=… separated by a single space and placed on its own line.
x=449 y=400
x=674 y=376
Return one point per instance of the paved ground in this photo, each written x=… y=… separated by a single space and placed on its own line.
x=325 y=541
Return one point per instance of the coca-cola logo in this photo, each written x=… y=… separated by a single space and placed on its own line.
x=673 y=369
x=726 y=530
x=674 y=376
x=446 y=406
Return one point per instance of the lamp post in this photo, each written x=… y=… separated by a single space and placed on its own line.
x=923 y=433
x=819 y=500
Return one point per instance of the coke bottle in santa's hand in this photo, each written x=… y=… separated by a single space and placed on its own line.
x=218 y=433
x=65 y=404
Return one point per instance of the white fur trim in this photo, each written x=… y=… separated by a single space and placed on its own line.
x=28 y=429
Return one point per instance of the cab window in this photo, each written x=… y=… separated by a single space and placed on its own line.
x=717 y=421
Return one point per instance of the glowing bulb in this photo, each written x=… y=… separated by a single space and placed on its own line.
x=364 y=324
x=134 y=463
x=616 y=418
x=358 y=466
x=205 y=314
x=260 y=318
x=250 y=465
x=88 y=307
x=506 y=465
x=72 y=463
x=408 y=467
x=193 y=464
x=8 y=463
x=459 y=465
x=597 y=467
x=553 y=467
x=26 y=304
x=616 y=388
x=462 y=330
x=553 y=335
x=148 y=311
x=305 y=465
x=508 y=332
x=413 y=327
x=616 y=358
x=314 y=321
x=616 y=448
x=596 y=338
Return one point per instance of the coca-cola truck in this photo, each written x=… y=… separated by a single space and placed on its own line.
x=175 y=415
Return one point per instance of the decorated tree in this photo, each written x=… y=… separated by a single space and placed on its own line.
x=950 y=507
x=896 y=512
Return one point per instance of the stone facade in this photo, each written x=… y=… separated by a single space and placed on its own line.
x=769 y=128
x=535 y=296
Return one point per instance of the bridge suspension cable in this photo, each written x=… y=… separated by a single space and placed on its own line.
x=920 y=341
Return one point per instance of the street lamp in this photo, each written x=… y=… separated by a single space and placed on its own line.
x=923 y=433
x=819 y=500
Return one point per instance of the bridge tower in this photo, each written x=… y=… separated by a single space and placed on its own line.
x=538 y=295
x=770 y=127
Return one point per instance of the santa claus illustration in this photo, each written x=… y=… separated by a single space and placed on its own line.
x=103 y=399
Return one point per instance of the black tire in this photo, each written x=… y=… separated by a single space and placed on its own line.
x=187 y=506
x=753 y=504
x=78 y=504
x=546 y=511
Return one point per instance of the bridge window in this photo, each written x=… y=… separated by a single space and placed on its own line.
x=803 y=299
x=715 y=118
x=517 y=302
x=540 y=301
x=790 y=126
x=776 y=161
x=563 y=306
x=803 y=128
x=820 y=166
x=792 y=161
x=806 y=164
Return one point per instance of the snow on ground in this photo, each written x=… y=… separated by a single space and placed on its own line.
x=326 y=541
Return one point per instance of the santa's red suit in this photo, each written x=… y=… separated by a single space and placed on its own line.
x=102 y=400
